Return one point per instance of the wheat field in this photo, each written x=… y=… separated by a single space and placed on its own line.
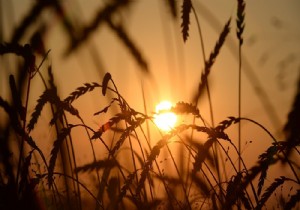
x=79 y=85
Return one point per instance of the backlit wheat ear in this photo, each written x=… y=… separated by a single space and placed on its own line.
x=269 y=191
x=226 y=123
x=211 y=60
x=262 y=178
x=98 y=165
x=240 y=20
x=106 y=126
x=155 y=151
x=185 y=108
x=239 y=31
x=54 y=152
x=185 y=16
x=50 y=95
x=235 y=192
x=265 y=160
x=125 y=134
x=202 y=154
x=44 y=98
x=80 y=91
x=293 y=201
x=148 y=164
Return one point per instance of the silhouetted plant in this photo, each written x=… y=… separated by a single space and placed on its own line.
x=129 y=172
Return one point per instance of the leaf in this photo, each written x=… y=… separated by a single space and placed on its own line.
x=98 y=165
x=32 y=143
x=129 y=44
x=105 y=81
x=186 y=10
x=29 y=19
x=105 y=13
x=201 y=184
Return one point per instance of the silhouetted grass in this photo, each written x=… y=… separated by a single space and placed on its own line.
x=130 y=171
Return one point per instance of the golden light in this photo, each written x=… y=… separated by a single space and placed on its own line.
x=164 y=118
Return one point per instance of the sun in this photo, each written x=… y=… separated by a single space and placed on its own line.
x=164 y=118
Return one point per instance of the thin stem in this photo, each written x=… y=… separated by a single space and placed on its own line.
x=246 y=170
x=239 y=102
x=177 y=170
x=204 y=61
x=145 y=111
x=24 y=127
x=72 y=153
x=79 y=183
x=215 y=149
x=200 y=34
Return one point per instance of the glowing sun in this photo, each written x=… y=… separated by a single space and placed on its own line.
x=164 y=118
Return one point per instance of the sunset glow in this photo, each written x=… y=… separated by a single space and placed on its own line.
x=164 y=118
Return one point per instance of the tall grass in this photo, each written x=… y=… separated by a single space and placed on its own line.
x=128 y=169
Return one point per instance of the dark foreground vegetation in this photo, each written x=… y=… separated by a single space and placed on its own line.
x=128 y=170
